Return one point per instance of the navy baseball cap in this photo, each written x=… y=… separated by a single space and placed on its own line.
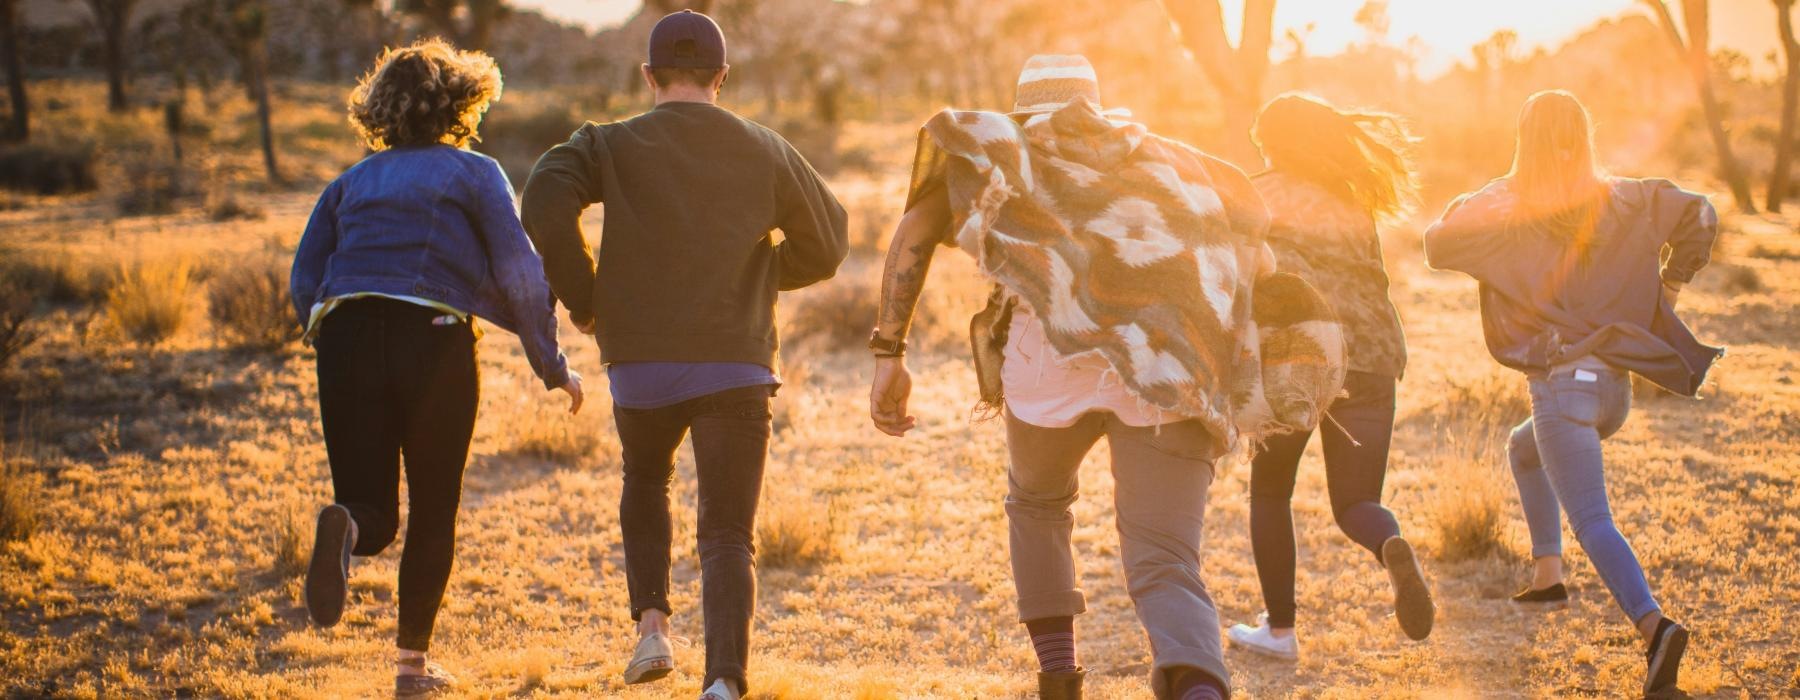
x=687 y=39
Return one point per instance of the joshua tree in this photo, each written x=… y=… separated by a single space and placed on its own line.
x=242 y=26
x=1790 y=104
x=1237 y=72
x=1693 y=47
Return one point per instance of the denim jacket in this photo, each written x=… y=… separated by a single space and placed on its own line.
x=433 y=222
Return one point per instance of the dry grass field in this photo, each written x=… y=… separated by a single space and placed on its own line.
x=156 y=497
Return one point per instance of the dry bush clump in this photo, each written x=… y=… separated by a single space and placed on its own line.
x=149 y=303
x=291 y=544
x=1483 y=405
x=61 y=278
x=543 y=432
x=839 y=314
x=792 y=536
x=46 y=169
x=17 y=332
x=1469 y=512
x=151 y=186
x=250 y=308
x=19 y=494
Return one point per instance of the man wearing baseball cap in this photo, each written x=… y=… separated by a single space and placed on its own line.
x=681 y=297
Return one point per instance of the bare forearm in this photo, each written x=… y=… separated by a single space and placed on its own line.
x=902 y=281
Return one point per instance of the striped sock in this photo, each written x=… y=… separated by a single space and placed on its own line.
x=1054 y=641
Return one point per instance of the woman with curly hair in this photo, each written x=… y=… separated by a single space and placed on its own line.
x=402 y=252
x=1333 y=177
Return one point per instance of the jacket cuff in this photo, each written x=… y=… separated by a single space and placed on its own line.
x=557 y=374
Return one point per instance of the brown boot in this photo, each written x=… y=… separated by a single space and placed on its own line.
x=1061 y=685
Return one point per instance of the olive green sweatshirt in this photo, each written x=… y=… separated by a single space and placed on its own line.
x=686 y=268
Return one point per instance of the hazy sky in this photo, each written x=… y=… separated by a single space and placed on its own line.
x=1447 y=27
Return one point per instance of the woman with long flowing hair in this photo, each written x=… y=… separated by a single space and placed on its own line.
x=1333 y=176
x=1579 y=273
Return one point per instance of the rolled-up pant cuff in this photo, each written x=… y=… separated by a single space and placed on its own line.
x=1168 y=661
x=1067 y=603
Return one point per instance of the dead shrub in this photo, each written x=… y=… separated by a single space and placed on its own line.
x=149 y=303
x=231 y=208
x=1480 y=406
x=19 y=497
x=792 y=536
x=292 y=550
x=249 y=306
x=542 y=431
x=48 y=169
x=1468 y=515
x=60 y=278
x=151 y=186
x=838 y=316
x=17 y=332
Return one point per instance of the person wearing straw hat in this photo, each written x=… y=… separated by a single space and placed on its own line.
x=682 y=302
x=1124 y=265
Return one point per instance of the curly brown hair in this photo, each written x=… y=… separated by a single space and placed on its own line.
x=424 y=94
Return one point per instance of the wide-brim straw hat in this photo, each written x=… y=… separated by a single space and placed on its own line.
x=1049 y=82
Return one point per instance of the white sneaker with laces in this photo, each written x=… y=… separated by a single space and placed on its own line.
x=654 y=660
x=1259 y=639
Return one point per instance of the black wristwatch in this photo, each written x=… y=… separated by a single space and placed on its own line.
x=886 y=348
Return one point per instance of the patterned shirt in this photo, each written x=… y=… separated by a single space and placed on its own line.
x=1331 y=243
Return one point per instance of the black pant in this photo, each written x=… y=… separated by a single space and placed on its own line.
x=1355 y=467
x=392 y=383
x=731 y=444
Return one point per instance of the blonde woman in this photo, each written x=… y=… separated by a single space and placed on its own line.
x=1579 y=276
x=403 y=251
x=1333 y=176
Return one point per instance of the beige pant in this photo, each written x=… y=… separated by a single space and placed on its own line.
x=1161 y=477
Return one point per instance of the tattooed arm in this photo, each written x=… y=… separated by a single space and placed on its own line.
x=902 y=280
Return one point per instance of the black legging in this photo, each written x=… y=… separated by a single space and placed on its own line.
x=1353 y=474
x=393 y=383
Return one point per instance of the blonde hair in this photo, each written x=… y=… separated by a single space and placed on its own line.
x=1362 y=156
x=1555 y=175
x=424 y=94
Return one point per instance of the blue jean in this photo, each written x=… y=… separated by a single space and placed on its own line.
x=1556 y=459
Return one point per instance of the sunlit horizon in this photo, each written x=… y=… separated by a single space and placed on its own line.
x=1446 y=31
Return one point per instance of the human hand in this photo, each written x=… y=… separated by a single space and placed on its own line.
x=573 y=389
x=888 y=394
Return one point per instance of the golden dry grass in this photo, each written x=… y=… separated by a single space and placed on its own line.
x=173 y=486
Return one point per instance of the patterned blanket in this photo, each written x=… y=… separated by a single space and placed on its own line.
x=1138 y=248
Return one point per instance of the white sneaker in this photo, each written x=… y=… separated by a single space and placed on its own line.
x=1259 y=640
x=654 y=660
x=720 y=690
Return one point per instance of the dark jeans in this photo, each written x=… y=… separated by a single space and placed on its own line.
x=391 y=384
x=1355 y=467
x=731 y=444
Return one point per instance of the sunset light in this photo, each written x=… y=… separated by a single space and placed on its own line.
x=899 y=349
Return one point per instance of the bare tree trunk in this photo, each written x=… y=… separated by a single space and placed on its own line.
x=114 y=18
x=258 y=62
x=20 y=128
x=1790 y=104
x=1237 y=73
x=1694 y=48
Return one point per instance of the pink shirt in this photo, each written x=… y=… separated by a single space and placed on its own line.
x=1050 y=391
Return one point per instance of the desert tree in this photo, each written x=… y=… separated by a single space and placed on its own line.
x=1695 y=19
x=113 y=18
x=1790 y=104
x=20 y=127
x=242 y=27
x=467 y=23
x=1236 y=72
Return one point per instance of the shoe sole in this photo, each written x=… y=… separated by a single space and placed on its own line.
x=1539 y=605
x=647 y=670
x=327 y=582
x=1413 y=608
x=1667 y=662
